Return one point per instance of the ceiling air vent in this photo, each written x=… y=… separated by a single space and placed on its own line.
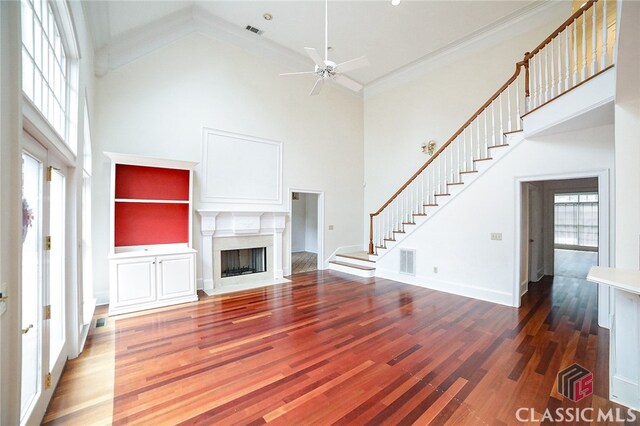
x=407 y=262
x=254 y=30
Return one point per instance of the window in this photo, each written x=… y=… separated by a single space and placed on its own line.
x=46 y=70
x=576 y=220
x=87 y=268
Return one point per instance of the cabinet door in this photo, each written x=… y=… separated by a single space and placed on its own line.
x=176 y=276
x=134 y=281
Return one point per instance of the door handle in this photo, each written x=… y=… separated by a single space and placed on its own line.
x=26 y=330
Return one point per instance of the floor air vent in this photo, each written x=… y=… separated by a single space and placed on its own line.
x=407 y=262
x=101 y=322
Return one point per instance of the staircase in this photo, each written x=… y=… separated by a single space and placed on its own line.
x=579 y=50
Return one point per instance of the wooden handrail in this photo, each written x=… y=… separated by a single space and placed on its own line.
x=524 y=63
x=452 y=138
x=561 y=28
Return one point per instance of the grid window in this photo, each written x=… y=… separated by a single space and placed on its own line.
x=45 y=74
x=576 y=220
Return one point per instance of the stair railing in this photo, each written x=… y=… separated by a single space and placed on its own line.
x=562 y=61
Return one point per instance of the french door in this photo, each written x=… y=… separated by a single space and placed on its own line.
x=43 y=349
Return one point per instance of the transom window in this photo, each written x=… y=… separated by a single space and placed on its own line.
x=45 y=65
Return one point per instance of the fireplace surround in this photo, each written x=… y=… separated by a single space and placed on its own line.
x=226 y=231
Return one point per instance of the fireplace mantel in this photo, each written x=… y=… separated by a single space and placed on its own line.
x=214 y=224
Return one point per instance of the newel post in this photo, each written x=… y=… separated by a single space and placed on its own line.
x=526 y=82
x=371 y=234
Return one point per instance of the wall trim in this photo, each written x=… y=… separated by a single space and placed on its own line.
x=464 y=290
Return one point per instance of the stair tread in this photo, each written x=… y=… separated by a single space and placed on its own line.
x=483 y=159
x=351 y=265
x=357 y=256
x=499 y=146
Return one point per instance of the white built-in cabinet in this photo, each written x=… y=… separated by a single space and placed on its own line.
x=152 y=261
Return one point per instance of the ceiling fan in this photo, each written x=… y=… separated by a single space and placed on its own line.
x=329 y=70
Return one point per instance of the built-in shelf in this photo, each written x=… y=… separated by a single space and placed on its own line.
x=152 y=262
x=141 y=200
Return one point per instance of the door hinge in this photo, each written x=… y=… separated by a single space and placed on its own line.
x=47 y=242
x=49 y=173
x=47 y=381
x=47 y=312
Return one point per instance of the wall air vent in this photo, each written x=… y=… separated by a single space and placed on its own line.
x=254 y=30
x=407 y=262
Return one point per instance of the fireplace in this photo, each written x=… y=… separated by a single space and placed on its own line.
x=251 y=244
x=243 y=261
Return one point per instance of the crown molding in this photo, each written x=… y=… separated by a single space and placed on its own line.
x=525 y=19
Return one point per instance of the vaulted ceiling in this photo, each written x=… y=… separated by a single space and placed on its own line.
x=391 y=37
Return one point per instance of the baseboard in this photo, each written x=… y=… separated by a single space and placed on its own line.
x=102 y=298
x=524 y=287
x=479 y=293
x=199 y=284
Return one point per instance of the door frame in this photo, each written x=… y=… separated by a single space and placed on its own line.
x=49 y=157
x=321 y=264
x=604 y=235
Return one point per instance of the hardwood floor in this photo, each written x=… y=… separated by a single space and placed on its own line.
x=303 y=261
x=329 y=348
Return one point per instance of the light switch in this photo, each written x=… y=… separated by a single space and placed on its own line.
x=496 y=236
x=330 y=227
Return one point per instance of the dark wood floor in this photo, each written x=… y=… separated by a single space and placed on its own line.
x=332 y=349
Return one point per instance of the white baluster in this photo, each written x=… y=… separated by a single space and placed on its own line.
x=501 y=134
x=540 y=80
x=603 y=61
x=518 y=103
x=583 y=74
x=493 y=123
x=567 y=61
x=486 y=134
x=594 y=40
x=559 y=64
x=509 y=107
x=547 y=92
x=575 y=52
x=552 y=87
x=458 y=169
x=478 y=142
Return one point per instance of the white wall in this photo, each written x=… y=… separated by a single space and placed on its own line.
x=456 y=239
x=627 y=129
x=311 y=223
x=158 y=106
x=298 y=223
x=436 y=103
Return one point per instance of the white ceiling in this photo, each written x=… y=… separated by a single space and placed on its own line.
x=390 y=36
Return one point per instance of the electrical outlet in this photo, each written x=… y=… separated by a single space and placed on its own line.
x=435 y=269
x=330 y=227
x=496 y=236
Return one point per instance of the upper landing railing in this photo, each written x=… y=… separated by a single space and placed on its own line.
x=576 y=51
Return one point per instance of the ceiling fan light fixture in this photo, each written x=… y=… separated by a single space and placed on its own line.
x=395 y=2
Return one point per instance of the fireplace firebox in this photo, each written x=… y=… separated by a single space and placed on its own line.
x=243 y=261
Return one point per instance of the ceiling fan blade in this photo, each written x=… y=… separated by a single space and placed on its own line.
x=348 y=83
x=317 y=87
x=298 y=73
x=352 y=64
x=313 y=54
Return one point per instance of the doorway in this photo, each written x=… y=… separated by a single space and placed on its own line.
x=306 y=231
x=564 y=231
x=43 y=277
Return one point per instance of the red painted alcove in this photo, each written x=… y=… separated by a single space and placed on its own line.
x=151 y=223
x=151 y=183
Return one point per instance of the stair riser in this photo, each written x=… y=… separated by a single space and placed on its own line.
x=355 y=261
x=352 y=271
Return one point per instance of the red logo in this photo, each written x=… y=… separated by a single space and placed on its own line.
x=575 y=382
